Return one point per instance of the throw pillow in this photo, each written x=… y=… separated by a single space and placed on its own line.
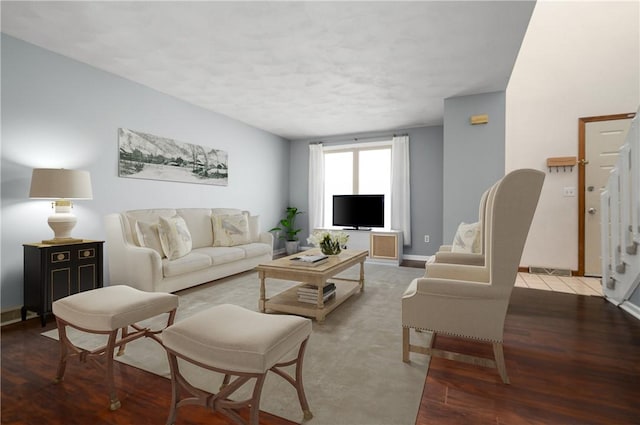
x=467 y=236
x=230 y=230
x=148 y=236
x=174 y=237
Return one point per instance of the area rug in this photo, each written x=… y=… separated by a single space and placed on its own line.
x=353 y=369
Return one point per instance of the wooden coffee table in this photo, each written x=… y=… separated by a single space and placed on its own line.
x=287 y=301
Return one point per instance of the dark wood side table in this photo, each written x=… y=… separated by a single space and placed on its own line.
x=52 y=272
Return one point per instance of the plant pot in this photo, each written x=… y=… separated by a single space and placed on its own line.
x=291 y=247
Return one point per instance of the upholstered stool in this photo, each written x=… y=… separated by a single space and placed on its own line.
x=236 y=342
x=105 y=311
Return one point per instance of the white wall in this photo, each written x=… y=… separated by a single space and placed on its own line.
x=578 y=59
x=59 y=113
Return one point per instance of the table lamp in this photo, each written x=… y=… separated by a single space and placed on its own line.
x=61 y=185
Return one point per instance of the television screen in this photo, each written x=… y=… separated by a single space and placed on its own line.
x=358 y=210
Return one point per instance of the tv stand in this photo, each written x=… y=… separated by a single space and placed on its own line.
x=384 y=246
x=357 y=229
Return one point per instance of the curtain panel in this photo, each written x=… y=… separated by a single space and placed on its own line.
x=316 y=186
x=401 y=187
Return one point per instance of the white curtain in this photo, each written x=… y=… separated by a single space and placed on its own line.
x=400 y=187
x=316 y=186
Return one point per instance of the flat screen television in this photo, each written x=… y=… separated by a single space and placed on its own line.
x=358 y=211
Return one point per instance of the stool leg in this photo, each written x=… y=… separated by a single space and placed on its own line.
x=62 y=336
x=304 y=404
x=297 y=382
x=225 y=381
x=125 y=332
x=114 y=403
x=254 y=409
x=175 y=388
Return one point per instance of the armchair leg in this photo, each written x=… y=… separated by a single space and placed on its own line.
x=405 y=344
x=500 y=364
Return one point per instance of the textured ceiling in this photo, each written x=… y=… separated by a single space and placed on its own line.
x=297 y=69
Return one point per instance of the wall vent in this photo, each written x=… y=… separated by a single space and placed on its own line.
x=550 y=272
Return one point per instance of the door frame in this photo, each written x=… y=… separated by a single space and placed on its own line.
x=582 y=122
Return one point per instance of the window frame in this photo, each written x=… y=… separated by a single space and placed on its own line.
x=355 y=149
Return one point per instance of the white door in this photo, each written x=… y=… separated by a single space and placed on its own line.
x=602 y=143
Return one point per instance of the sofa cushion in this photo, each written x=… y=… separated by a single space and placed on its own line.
x=230 y=229
x=222 y=255
x=189 y=263
x=467 y=238
x=255 y=249
x=199 y=223
x=226 y=211
x=148 y=236
x=150 y=216
x=174 y=237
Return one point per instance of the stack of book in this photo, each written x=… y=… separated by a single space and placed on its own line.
x=309 y=293
x=310 y=260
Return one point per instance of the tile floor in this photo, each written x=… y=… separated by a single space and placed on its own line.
x=572 y=285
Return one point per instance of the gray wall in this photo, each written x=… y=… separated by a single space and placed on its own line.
x=57 y=112
x=425 y=148
x=473 y=156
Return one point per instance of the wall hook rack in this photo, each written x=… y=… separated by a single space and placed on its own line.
x=561 y=162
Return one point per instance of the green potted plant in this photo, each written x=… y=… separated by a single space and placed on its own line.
x=289 y=231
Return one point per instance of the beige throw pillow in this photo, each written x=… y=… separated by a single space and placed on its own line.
x=467 y=238
x=230 y=230
x=174 y=237
x=148 y=236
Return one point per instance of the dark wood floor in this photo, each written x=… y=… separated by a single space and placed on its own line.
x=571 y=359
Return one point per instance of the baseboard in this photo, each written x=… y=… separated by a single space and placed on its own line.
x=527 y=269
x=630 y=308
x=415 y=257
x=13 y=315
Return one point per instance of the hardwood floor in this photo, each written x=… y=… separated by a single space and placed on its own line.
x=571 y=359
x=29 y=395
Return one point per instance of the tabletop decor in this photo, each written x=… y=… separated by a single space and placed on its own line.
x=329 y=242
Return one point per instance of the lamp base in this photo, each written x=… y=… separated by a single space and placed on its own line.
x=61 y=241
x=61 y=222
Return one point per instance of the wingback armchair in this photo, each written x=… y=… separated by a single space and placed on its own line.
x=471 y=301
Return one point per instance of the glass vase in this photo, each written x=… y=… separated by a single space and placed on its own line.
x=330 y=249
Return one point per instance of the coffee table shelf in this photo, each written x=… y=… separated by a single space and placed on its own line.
x=287 y=301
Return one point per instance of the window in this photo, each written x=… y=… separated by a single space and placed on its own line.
x=364 y=169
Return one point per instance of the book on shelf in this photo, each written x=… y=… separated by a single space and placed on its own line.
x=313 y=299
x=310 y=259
x=313 y=289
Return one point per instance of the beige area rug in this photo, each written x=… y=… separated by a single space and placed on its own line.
x=353 y=369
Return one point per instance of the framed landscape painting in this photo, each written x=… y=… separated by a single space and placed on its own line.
x=145 y=156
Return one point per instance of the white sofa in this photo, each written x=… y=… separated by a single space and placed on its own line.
x=136 y=261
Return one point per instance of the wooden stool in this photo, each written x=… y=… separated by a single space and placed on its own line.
x=105 y=311
x=236 y=342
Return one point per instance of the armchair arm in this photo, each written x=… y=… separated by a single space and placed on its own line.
x=457 y=289
x=457 y=272
x=445 y=248
x=460 y=258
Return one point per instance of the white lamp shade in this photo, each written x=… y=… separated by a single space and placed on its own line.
x=59 y=183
